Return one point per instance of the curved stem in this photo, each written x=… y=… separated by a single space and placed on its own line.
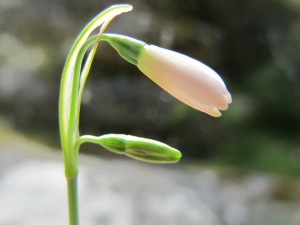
x=69 y=90
x=86 y=138
x=77 y=70
x=87 y=67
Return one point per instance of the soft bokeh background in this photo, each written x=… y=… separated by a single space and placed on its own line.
x=253 y=44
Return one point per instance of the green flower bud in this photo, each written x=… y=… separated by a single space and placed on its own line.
x=140 y=148
x=113 y=142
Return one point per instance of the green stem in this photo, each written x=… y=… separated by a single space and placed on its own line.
x=86 y=138
x=73 y=200
x=87 y=66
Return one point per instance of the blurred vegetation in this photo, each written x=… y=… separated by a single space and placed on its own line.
x=253 y=44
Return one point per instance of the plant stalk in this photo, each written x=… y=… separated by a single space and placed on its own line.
x=73 y=200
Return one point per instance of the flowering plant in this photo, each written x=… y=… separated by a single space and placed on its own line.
x=190 y=81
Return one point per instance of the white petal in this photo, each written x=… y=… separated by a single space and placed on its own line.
x=177 y=93
x=228 y=98
x=197 y=81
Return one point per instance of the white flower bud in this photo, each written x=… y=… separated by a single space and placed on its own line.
x=187 y=79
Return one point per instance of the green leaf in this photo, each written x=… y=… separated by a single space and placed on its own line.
x=69 y=85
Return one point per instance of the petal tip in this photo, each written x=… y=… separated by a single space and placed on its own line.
x=228 y=98
x=216 y=113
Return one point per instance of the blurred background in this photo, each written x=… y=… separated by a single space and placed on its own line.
x=241 y=168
